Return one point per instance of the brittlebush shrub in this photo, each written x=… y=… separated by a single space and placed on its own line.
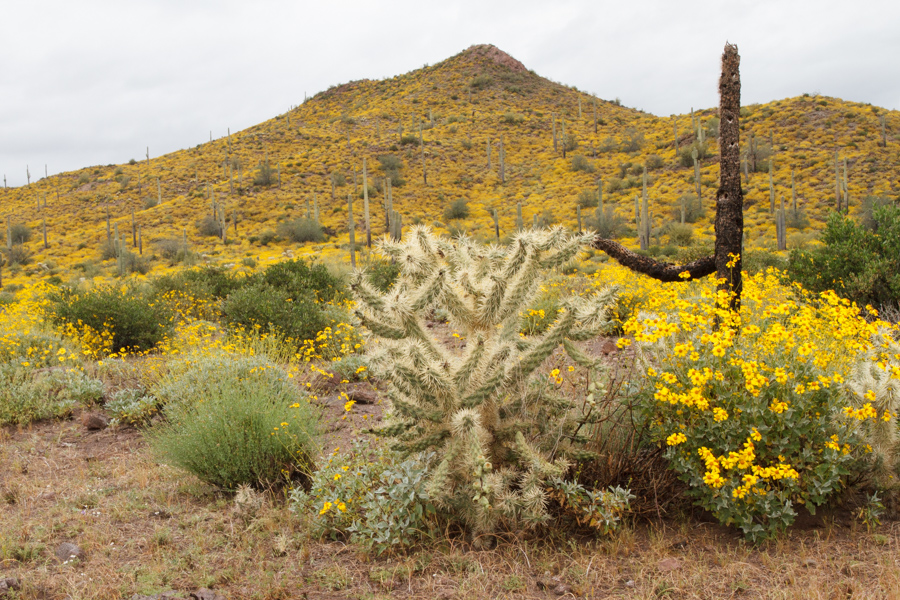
x=235 y=420
x=110 y=319
x=756 y=414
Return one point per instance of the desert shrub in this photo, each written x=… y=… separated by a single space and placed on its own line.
x=20 y=233
x=685 y=156
x=149 y=202
x=298 y=276
x=132 y=406
x=235 y=420
x=301 y=230
x=690 y=207
x=209 y=226
x=680 y=234
x=458 y=209
x=869 y=204
x=857 y=263
x=653 y=162
x=608 y=145
x=796 y=219
x=289 y=314
x=202 y=283
x=382 y=274
x=758 y=260
x=264 y=176
x=744 y=405
x=169 y=249
x=587 y=198
x=409 y=139
x=481 y=81
x=569 y=142
x=499 y=431
x=580 y=163
x=110 y=319
x=632 y=141
x=609 y=224
x=18 y=255
x=371 y=495
x=511 y=118
x=390 y=165
x=28 y=395
x=712 y=128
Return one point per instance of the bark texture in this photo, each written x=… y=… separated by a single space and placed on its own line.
x=729 y=224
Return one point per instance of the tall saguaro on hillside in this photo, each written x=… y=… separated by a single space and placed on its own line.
x=729 y=225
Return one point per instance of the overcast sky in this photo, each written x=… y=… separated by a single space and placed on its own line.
x=95 y=82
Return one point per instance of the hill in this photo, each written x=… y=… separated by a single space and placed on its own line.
x=437 y=133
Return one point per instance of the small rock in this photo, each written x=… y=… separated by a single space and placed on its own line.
x=669 y=564
x=7 y=584
x=68 y=551
x=629 y=583
x=205 y=594
x=362 y=395
x=609 y=347
x=94 y=421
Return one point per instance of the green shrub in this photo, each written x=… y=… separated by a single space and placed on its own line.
x=125 y=317
x=371 y=495
x=301 y=230
x=587 y=199
x=498 y=431
x=609 y=225
x=28 y=395
x=653 y=162
x=383 y=273
x=690 y=206
x=390 y=165
x=511 y=118
x=235 y=420
x=753 y=413
x=685 y=156
x=209 y=226
x=481 y=81
x=264 y=176
x=855 y=262
x=409 y=139
x=20 y=233
x=295 y=315
x=202 y=283
x=18 y=255
x=132 y=406
x=458 y=209
x=298 y=276
x=680 y=234
x=580 y=163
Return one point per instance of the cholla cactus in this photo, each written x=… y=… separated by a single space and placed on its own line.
x=498 y=438
x=876 y=380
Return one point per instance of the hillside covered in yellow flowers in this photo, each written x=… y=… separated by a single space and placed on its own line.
x=479 y=127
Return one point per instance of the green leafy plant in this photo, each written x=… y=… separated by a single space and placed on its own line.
x=28 y=395
x=233 y=420
x=497 y=434
x=123 y=318
x=858 y=263
x=301 y=230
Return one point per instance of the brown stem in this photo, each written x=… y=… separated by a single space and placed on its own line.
x=662 y=271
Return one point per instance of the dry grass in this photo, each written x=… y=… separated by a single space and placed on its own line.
x=146 y=528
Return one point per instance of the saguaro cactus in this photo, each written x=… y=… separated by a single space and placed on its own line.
x=366 y=205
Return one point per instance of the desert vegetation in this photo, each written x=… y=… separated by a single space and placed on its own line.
x=503 y=411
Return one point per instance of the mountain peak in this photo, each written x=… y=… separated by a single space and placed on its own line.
x=495 y=55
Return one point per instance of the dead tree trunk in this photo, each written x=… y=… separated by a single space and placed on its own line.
x=729 y=225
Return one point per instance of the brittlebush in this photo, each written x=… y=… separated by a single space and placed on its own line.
x=754 y=409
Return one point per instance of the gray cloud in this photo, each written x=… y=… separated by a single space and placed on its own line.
x=97 y=81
